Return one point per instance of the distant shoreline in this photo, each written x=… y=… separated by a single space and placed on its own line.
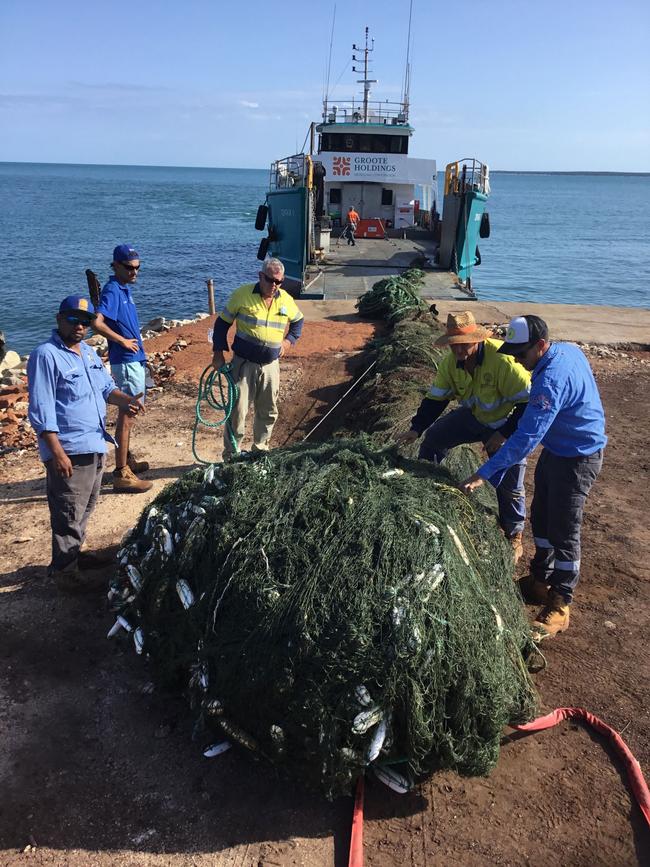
x=265 y=168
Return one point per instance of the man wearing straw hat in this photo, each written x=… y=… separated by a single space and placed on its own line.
x=492 y=391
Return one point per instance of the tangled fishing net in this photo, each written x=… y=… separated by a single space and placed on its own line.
x=394 y=298
x=331 y=608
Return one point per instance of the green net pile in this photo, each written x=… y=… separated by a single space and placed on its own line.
x=331 y=608
x=394 y=298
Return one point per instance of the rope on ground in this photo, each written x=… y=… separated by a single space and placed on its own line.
x=212 y=383
x=632 y=766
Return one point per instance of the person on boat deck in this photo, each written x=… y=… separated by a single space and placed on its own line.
x=117 y=320
x=268 y=323
x=69 y=388
x=351 y=222
x=492 y=391
x=564 y=414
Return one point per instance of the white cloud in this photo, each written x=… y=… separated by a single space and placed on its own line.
x=248 y=104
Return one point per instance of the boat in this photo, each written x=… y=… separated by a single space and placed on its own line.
x=359 y=157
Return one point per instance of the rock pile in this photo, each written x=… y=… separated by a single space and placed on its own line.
x=15 y=430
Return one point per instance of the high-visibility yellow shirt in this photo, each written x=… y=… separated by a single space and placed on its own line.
x=260 y=329
x=498 y=383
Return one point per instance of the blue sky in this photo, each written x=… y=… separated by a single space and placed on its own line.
x=522 y=85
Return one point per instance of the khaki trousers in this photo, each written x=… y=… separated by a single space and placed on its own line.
x=258 y=384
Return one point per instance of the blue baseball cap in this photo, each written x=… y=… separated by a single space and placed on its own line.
x=125 y=253
x=77 y=304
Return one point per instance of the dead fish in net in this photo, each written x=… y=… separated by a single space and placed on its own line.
x=151 y=516
x=165 y=541
x=498 y=620
x=214 y=706
x=184 y=593
x=392 y=474
x=235 y=733
x=459 y=545
x=377 y=742
x=120 y=623
x=362 y=695
x=134 y=577
x=216 y=749
x=394 y=780
x=428 y=527
x=366 y=720
x=138 y=640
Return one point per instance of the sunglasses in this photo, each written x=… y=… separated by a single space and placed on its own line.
x=128 y=267
x=78 y=320
x=272 y=280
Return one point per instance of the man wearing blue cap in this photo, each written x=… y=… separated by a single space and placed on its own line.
x=564 y=414
x=117 y=320
x=68 y=392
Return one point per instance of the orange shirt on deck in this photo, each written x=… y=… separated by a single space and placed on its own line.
x=353 y=217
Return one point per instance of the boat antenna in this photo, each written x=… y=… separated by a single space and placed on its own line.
x=365 y=80
x=407 y=69
x=329 y=65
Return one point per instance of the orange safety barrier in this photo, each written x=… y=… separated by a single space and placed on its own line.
x=370 y=229
x=356 y=838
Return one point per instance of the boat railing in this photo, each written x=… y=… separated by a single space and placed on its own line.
x=465 y=174
x=293 y=171
x=352 y=111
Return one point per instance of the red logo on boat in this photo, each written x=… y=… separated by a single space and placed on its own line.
x=341 y=166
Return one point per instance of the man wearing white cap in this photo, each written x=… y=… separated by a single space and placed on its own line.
x=492 y=391
x=566 y=416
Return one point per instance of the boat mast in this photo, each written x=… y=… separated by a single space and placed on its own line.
x=365 y=80
x=407 y=69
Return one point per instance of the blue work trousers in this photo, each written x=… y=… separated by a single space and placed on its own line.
x=561 y=488
x=460 y=426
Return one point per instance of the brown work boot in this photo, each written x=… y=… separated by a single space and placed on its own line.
x=534 y=592
x=553 y=618
x=126 y=482
x=135 y=465
x=517 y=544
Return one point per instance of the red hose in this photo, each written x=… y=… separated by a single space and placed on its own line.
x=356 y=837
x=632 y=767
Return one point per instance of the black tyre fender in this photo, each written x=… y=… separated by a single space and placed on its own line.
x=263 y=249
x=478 y=257
x=453 y=265
x=260 y=219
x=484 y=228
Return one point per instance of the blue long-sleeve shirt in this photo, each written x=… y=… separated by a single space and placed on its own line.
x=117 y=306
x=67 y=395
x=564 y=411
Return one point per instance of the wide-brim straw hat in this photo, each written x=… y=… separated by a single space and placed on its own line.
x=462 y=328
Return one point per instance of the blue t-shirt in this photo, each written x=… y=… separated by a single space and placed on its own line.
x=118 y=309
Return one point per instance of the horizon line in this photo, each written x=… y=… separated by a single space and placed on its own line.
x=261 y=169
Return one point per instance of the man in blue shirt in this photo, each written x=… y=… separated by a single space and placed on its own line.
x=117 y=320
x=68 y=392
x=566 y=416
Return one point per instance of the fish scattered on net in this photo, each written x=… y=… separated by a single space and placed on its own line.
x=394 y=298
x=331 y=608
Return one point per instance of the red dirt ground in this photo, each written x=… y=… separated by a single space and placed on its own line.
x=94 y=772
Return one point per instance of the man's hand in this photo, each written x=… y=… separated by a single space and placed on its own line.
x=130 y=345
x=62 y=465
x=286 y=344
x=407 y=437
x=218 y=359
x=133 y=405
x=471 y=484
x=494 y=443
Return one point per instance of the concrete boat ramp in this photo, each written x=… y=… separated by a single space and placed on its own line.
x=347 y=271
x=613 y=326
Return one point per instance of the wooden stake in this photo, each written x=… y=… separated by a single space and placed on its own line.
x=211 y=306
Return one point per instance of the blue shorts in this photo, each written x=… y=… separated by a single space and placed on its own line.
x=130 y=377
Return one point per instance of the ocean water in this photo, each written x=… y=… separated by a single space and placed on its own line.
x=581 y=239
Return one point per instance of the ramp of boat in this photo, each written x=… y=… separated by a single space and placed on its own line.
x=349 y=271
